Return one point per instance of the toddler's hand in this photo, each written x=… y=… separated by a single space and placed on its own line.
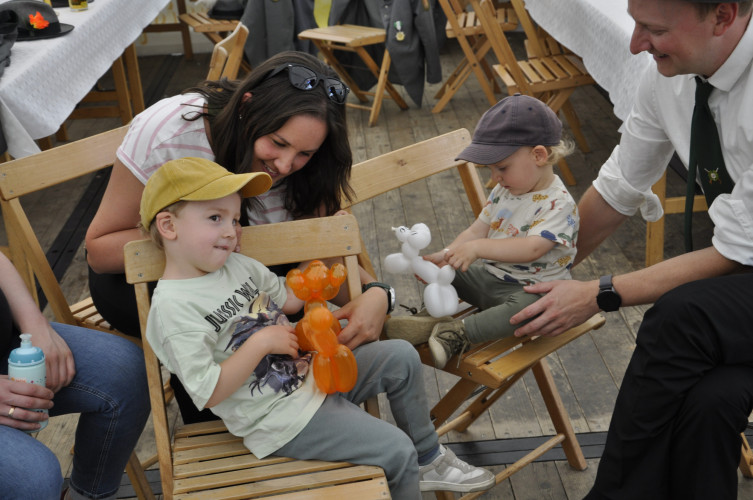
x=462 y=256
x=278 y=339
x=437 y=258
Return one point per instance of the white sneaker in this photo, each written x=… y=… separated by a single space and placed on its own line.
x=448 y=473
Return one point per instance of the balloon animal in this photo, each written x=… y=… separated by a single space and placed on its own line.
x=334 y=365
x=440 y=297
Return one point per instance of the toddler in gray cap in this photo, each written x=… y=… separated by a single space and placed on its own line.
x=525 y=234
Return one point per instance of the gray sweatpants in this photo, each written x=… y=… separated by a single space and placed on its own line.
x=497 y=299
x=342 y=431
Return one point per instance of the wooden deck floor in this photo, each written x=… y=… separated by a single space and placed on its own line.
x=588 y=372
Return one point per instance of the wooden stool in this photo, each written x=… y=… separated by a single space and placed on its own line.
x=352 y=38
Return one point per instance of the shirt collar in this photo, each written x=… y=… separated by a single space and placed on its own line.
x=736 y=64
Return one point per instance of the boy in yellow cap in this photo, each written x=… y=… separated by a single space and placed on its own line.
x=218 y=322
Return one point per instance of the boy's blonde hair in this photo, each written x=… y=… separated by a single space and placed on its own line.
x=559 y=151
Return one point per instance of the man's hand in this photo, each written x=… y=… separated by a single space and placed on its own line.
x=567 y=303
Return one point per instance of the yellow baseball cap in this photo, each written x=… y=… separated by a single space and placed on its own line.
x=196 y=179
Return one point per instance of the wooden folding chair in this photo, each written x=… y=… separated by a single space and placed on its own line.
x=352 y=38
x=33 y=174
x=204 y=460
x=493 y=366
x=549 y=77
x=227 y=55
x=464 y=26
x=178 y=26
x=214 y=29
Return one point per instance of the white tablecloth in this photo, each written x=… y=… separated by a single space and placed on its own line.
x=599 y=31
x=47 y=78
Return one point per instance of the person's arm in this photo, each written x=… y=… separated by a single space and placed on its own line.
x=569 y=303
x=598 y=220
x=27 y=316
x=115 y=222
x=235 y=370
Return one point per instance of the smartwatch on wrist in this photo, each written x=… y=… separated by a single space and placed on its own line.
x=608 y=299
x=387 y=288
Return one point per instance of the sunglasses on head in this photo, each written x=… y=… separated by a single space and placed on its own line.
x=304 y=78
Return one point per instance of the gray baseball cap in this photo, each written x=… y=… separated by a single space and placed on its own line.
x=515 y=121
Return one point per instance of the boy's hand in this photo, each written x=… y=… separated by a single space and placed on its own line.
x=462 y=256
x=278 y=339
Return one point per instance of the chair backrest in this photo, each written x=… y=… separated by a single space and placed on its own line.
x=271 y=244
x=228 y=55
x=418 y=161
x=33 y=174
x=397 y=168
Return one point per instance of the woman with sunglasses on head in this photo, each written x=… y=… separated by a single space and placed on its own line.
x=286 y=118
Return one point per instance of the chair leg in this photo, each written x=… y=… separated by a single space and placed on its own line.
x=566 y=172
x=655 y=230
x=746 y=459
x=138 y=478
x=574 y=122
x=558 y=415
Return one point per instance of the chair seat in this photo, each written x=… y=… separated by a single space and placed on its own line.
x=202 y=23
x=547 y=74
x=211 y=462
x=470 y=25
x=348 y=35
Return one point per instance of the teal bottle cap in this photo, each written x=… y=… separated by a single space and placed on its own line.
x=27 y=354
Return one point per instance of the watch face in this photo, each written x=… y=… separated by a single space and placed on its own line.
x=608 y=300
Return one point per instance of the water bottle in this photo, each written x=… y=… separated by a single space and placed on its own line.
x=26 y=364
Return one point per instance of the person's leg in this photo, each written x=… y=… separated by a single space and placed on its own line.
x=394 y=368
x=690 y=331
x=28 y=469
x=494 y=322
x=342 y=431
x=110 y=391
x=706 y=442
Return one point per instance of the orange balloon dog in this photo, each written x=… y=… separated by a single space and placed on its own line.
x=334 y=365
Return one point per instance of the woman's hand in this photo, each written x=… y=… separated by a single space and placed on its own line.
x=61 y=367
x=15 y=397
x=366 y=315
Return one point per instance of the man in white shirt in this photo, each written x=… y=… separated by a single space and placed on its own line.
x=688 y=390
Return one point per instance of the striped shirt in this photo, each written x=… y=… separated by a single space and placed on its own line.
x=160 y=134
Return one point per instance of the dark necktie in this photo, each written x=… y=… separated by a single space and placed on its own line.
x=705 y=158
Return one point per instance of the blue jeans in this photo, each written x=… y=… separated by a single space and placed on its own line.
x=110 y=391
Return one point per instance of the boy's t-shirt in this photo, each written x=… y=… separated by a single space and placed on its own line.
x=195 y=324
x=550 y=213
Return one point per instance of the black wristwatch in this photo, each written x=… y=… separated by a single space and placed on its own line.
x=608 y=299
x=387 y=288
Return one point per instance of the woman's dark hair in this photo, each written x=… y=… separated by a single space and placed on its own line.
x=236 y=124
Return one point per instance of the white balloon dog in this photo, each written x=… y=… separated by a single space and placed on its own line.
x=440 y=297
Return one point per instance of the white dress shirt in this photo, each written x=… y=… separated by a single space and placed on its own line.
x=659 y=124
